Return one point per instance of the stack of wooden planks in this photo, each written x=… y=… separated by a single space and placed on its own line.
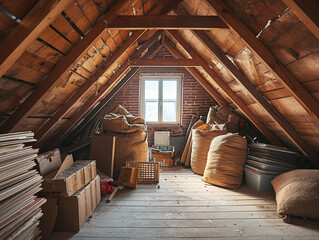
x=19 y=182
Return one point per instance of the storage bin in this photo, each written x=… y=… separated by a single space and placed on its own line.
x=283 y=154
x=267 y=166
x=268 y=160
x=259 y=180
x=148 y=172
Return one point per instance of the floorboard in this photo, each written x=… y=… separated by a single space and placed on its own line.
x=181 y=206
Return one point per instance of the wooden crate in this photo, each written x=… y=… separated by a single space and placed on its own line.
x=165 y=158
x=148 y=172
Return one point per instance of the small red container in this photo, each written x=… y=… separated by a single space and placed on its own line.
x=105 y=187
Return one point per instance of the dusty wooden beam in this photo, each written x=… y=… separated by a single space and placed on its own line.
x=258 y=97
x=309 y=103
x=102 y=91
x=166 y=22
x=86 y=86
x=65 y=65
x=196 y=75
x=308 y=12
x=163 y=63
x=39 y=17
x=227 y=90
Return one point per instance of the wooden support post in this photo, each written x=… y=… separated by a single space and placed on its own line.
x=306 y=100
x=166 y=22
x=39 y=17
x=261 y=100
x=307 y=11
x=236 y=100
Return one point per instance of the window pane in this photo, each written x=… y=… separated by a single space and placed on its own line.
x=151 y=111
x=151 y=90
x=169 y=90
x=169 y=111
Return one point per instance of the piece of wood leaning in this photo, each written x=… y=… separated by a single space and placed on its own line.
x=39 y=17
x=166 y=22
x=65 y=65
x=307 y=12
x=272 y=112
x=236 y=100
x=307 y=101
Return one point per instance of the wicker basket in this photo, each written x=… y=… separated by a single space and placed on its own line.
x=148 y=172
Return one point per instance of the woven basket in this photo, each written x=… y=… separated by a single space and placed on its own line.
x=148 y=172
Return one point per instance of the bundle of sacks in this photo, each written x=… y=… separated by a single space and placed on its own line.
x=131 y=136
x=217 y=152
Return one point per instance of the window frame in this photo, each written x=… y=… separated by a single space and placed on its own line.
x=160 y=121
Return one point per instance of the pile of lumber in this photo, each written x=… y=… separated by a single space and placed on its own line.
x=19 y=182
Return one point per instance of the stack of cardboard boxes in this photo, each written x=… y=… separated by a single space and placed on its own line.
x=72 y=190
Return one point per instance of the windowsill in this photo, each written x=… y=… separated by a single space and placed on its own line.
x=166 y=125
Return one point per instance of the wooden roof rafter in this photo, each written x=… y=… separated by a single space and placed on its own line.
x=65 y=65
x=166 y=22
x=153 y=48
x=86 y=86
x=163 y=63
x=196 y=75
x=226 y=89
x=40 y=16
x=307 y=11
x=307 y=101
x=258 y=97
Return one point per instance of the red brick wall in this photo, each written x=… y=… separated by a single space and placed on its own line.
x=195 y=99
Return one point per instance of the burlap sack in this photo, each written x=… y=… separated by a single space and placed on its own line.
x=119 y=109
x=200 y=145
x=223 y=115
x=297 y=193
x=225 y=161
x=119 y=124
x=128 y=147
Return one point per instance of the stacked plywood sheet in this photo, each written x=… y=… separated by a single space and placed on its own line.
x=19 y=182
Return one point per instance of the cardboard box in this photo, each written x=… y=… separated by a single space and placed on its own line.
x=103 y=151
x=48 y=162
x=70 y=178
x=74 y=210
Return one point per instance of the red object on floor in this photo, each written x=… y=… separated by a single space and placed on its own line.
x=105 y=187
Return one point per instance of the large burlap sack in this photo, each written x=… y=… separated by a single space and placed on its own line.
x=223 y=115
x=297 y=193
x=200 y=145
x=225 y=161
x=129 y=147
x=119 y=124
x=119 y=109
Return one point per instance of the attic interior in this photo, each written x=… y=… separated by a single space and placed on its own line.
x=159 y=119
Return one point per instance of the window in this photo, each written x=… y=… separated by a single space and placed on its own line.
x=161 y=99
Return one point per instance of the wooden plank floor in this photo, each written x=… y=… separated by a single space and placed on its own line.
x=181 y=206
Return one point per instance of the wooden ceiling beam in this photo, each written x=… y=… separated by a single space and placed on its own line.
x=307 y=11
x=259 y=98
x=39 y=17
x=307 y=101
x=163 y=63
x=166 y=22
x=228 y=91
x=86 y=86
x=219 y=99
x=102 y=91
x=65 y=65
